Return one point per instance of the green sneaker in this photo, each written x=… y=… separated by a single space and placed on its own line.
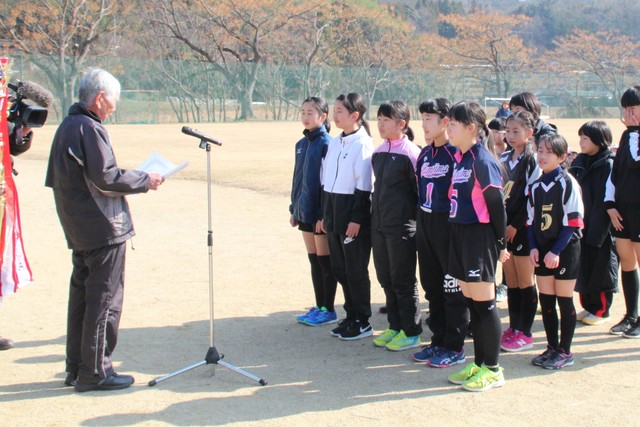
x=402 y=342
x=484 y=380
x=385 y=337
x=461 y=377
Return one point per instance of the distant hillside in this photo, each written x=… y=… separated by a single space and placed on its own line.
x=551 y=19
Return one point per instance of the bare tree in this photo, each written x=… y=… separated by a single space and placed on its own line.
x=232 y=36
x=59 y=35
x=488 y=40
x=608 y=56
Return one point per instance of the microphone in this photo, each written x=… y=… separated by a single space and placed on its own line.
x=194 y=132
x=34 y=92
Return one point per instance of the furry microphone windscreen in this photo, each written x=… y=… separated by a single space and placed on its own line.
x=36 y=93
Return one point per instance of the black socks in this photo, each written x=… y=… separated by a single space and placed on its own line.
x=514 y=303
x=485 y=323
x=550 y=318
x=316 y=278
x=529 y=307
x=329 y=282
x=567 y=322
x=630 y=289
x=550 y=321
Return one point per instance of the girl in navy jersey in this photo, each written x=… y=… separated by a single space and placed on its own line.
x=448 y=313
x=347 y=183
x=520 y=170
x=555 y=224
x=478 y=222
x=598 y=275
x=623 y=206
x=393 y=215
x=306 y=210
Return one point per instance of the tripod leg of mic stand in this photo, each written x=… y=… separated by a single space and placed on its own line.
x=245 y=373
x=166 y=377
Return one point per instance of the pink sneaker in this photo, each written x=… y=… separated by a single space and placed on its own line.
x=506 y=337
x=518 y=342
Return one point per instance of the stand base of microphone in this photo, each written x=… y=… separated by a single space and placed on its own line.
x=212 y=357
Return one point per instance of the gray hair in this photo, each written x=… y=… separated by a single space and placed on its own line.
x=95 y=80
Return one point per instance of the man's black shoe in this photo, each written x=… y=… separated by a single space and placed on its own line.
x=70 y=381
x=5 y=343
x=112 y=382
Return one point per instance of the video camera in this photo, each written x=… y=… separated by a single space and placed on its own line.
x=23 y=115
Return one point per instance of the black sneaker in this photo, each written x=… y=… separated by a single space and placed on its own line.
x=342 y=326
x=626 y=323
x=548 y=354
x=633 y=331
x=357 y=330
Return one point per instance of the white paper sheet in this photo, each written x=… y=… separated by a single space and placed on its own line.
x=158 y=164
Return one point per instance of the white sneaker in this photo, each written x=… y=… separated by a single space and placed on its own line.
x=592 y=319
x=580 y=316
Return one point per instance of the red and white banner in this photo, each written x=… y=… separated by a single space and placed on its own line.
x=14 y=267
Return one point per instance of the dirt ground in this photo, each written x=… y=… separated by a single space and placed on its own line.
x=261 y=281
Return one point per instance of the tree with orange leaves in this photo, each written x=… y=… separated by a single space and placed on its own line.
x=59 y=36
x=487 y=41
x=609 y=56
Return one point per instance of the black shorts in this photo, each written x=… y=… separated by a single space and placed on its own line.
x=631 y=224
x=569 y=262
x=473 y=252
x=309 y=228
x=520 y=244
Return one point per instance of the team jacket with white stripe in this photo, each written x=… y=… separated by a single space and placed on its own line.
x=347 y=181
x=306 y=190
x=622 y=186
x=395 y=191
x=88 y=187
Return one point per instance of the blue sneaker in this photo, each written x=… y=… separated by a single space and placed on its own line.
x=427 y=352
x=321 y=317
x=303 y=317
x=445 y=358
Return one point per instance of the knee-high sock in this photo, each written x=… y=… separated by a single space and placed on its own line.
x=567 y=322
x=491 y=331
x=316 y=279
x=630 y=289
x=529 y=307
x=329 y=282
x=514 y=302
x=550 y=318
x=478 y=350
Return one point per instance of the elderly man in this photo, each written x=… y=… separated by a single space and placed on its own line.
x=89 y=191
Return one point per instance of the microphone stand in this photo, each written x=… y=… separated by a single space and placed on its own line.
x=212 y=356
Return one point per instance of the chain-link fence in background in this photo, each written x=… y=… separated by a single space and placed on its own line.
x=191 y=91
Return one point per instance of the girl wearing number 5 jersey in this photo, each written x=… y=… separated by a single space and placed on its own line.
x=555 y=224
x=478 y=223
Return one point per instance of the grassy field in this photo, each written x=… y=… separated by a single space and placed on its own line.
x=261 y=281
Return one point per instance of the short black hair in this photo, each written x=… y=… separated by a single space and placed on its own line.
x=499 y=123
x=630 y=97
x=529 y=102
x=598 y=132
x=439 y=106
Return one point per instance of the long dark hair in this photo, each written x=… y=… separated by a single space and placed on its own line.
x=529 y=102
x=353 y=102
x=471 y=113
x=439 y=106
x=397 y=110
x=322 y=107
